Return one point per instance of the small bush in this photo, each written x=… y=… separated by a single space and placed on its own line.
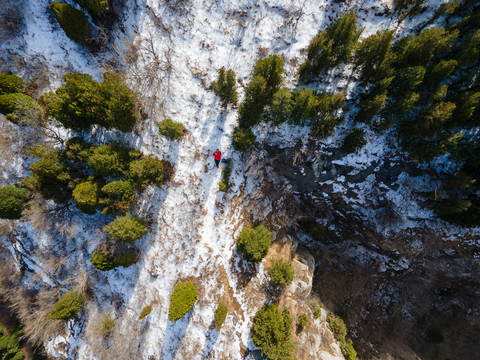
x=253 y=244
x=339 y=330
x=78 y=150
x=281 y=272
x=86 y=196
x=182 y=300
x=10 y=84
x=94 y=7
x=145 y=311
x=316 y=309
x=21 y=109
x=354 y=140
x=12 y=201
x=148 y=170
x=126 y=228
x=271 y=333
x=220 y=316
x=101 y=260
x=106 y=161
x=171 y=129
x=74 y=22
x=302 y=321
x=227 y=170
x=108 y=325
x=69 y=305
x=119 y=189
x=243 y=139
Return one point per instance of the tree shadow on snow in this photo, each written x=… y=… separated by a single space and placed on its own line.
x=174 y=336
x=210 y=339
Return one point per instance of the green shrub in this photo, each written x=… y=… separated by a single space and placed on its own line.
x=94 y=7
x=271 y=332
x=74 y=22
x=371 y=108
x=108 y=160
x=326 y=118
x=81 y=102
x=77 y=149
x=339 y=330
x=12 y=201
x=148 y=170
x=354 y=140
x=10 y=84
x=225 y=88
x=126 y=228
x=227 y=170
x=101 y=260
x=243 y=139
x=182 y=300
x=10 y=345
x=86 y=196
x=302 y=321
x=304 y=106
x=119 y=189
x=281 y=272
x=145 y=311
x=281 y=106
x=171 y=129
x=69 y=305
x=253 y=244
x=21 y=109
x=108 y=325
x=220 y=316
x=316 y=309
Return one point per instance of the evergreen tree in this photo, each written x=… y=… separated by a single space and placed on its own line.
x=12 y=201
x=281 y=106
x=69 y=305
x=437 y=73
x=10 y=84
x=126 y=228
x=371 y=54
x=304 y=106
x=271 y=69
x=371 y=108
x=225 y=87
x=330 y=47
x=256 y=98
x=86 y=196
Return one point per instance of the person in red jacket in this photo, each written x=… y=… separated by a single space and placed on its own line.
x=218 y=156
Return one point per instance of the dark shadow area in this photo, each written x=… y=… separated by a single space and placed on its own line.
x=174 y=336
x=210 y=340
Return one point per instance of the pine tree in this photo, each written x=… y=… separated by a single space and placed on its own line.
x=330 y=47
x=371 y=54
x=225 y=87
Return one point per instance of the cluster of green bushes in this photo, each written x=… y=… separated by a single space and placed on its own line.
x=10 y=345
x=225 y=182
x=339 y=330
x=253 y=243
x=302 y=321
x=183 y=298
x=266 y=100
x=316 y=309
x=18 y=107
x=81 y=102
x=271 y=331
x=102 y=178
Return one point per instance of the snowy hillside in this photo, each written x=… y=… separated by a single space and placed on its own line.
x=170 y=52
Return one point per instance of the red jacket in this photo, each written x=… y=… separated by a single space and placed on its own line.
x=218 y=155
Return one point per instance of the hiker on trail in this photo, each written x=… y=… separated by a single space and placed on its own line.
x=218 y=156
